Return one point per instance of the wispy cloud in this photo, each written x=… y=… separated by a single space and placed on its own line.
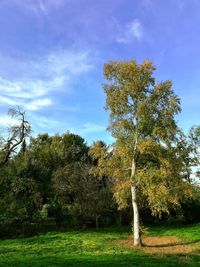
x=147 y=4
x=40 y=7
x=7 y=101
x=132 y=31
x=92 y=128
x=42 y=122
x=36 y=104
x=6 y=121
x=33 y=89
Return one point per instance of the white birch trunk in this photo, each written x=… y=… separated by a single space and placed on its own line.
x=136 y=222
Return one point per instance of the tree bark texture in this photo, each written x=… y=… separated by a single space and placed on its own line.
x=136 y=221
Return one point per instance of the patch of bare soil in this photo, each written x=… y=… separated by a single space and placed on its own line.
x=162 y=245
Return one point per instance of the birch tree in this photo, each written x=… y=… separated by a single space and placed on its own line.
x=142 y=121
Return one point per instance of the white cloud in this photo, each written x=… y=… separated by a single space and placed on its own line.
x=34 y=84
x=72 y=62
x=92 y=128
x=8 y=121
x=132 y=31
x=49 y=124
x=40 y=7
x=43 y=122
x=9 y=86
x=37 y=104
x=8 y=101
x=33 y=89
x=147 y=3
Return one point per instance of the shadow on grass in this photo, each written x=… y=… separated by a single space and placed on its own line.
x=181 y=243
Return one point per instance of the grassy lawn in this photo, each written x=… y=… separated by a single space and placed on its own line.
x=91 y=248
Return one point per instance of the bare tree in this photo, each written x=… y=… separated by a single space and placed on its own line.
x=16 y=135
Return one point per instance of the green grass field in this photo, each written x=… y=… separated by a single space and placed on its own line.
x=90 y=248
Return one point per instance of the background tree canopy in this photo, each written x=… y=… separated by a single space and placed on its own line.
x=62 y=181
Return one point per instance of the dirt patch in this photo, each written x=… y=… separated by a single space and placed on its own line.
x=161 y=245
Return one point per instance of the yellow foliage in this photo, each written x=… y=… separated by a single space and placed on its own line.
x=148 y=146
x=122 y=193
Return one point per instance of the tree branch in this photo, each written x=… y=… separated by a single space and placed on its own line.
x=18 y=133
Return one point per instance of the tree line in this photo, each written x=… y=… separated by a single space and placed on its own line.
x=146 y=172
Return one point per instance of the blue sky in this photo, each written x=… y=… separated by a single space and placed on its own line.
x=52 y=54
